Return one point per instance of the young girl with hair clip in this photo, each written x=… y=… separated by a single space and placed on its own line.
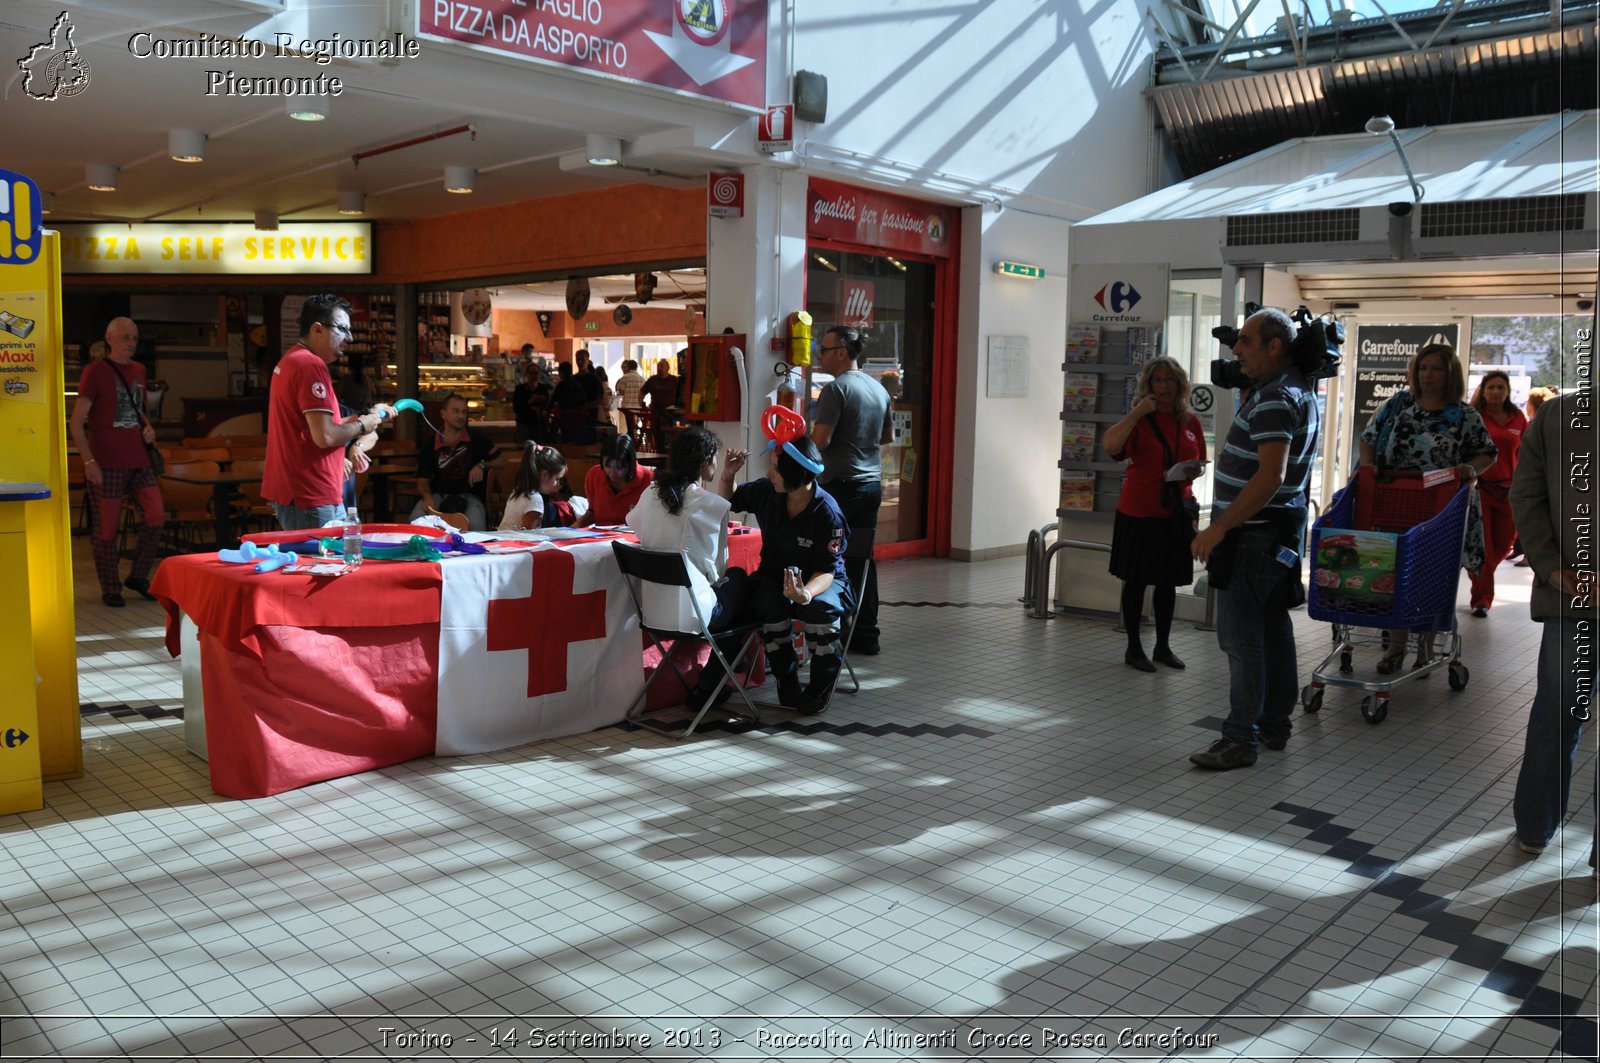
x=537 y=496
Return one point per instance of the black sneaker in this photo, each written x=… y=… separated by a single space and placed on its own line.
x=1275 y=741
x=141 y=587
x=113 y=600
x=1224 y=755
x=1479 y=611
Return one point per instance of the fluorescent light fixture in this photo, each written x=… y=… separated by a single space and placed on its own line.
x=1018 y=269
x=307 y=108
x=101 y=177
x=460 y=179
x=186 y=145
x=266 y=220
x=352 y=202
x=603 y=150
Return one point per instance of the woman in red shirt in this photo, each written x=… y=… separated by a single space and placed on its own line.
x=614 y=486
x=1505 y=424
x=1150 y=541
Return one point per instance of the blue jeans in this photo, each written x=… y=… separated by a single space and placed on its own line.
x=296 y=518
x=1545 y=780
x=859 y=501
x=1254 y=630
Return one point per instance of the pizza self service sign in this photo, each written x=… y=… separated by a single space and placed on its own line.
x=311 y=249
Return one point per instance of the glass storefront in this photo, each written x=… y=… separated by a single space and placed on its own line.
x=892 y=298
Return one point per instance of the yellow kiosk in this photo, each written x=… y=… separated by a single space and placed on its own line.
x=39 y=726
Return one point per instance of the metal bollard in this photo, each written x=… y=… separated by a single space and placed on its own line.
x=1041 y=600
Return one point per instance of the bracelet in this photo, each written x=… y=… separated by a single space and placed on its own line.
x=90 y=461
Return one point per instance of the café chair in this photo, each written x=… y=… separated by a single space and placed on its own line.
x=668 y=569
x=252 y=512
x=189 y=516
x=857 y=548
x=458 y=521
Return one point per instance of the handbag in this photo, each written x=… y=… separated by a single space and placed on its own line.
x=158 y=463
x=1185 y=510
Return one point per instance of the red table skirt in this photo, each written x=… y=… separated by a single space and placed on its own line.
x=312 y=680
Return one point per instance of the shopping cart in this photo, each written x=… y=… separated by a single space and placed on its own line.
x=1430 y=523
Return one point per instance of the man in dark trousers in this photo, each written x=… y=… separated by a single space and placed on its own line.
x=852 y=421
x=452 y=474
x=1553 y=497
x=1252 y=546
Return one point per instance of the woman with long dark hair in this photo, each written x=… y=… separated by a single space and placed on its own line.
x=680 y=515
x=1505 y=424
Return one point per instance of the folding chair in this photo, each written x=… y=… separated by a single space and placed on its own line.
x=857 y=548
x=667 y=568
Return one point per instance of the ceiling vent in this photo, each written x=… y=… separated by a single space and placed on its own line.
x=1296 y=227
x=1521 y=225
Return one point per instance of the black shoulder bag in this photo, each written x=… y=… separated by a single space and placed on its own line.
x=158 y=464
x=1185 y=510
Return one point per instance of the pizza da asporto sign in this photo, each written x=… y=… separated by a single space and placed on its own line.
x=713 y=48
x=308 y=248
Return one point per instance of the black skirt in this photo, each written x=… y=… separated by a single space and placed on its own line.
x=1151 y=551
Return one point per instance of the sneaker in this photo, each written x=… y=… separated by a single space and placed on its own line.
x=1275 y=741
x=1224 y=755
x=1531 y=848
x=1479 y=611
x=113 y=600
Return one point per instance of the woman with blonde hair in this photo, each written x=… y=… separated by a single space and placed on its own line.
x=1155 y=516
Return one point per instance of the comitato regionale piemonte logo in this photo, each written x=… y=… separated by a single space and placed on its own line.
x=54 y=68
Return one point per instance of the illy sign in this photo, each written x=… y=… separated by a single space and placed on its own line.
x=776 y=132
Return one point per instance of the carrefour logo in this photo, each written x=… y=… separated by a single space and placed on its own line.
x=1118 y=297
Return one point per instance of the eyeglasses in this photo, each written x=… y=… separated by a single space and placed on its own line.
x=336 y=327
x=825 y=350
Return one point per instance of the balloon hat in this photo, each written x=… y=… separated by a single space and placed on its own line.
x=782 y=426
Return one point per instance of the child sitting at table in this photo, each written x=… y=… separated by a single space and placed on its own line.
x=539 y=498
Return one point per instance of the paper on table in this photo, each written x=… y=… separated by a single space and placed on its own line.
x=1186 y=470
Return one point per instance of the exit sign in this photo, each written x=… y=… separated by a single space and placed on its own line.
x=591 y=326
x=1018 y=269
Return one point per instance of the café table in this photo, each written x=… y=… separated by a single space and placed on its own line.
x=222 y=485
x=292 y=679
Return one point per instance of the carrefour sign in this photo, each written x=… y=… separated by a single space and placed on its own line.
x=1119 y=294
x=221 y=247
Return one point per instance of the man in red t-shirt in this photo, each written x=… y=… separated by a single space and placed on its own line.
x=110 y=431
x=304 y=475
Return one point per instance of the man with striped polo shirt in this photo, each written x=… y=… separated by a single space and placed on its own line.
x=1252 y=546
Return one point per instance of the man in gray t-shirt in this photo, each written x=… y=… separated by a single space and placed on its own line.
x=852 y=420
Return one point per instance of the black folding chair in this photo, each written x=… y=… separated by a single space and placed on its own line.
x=857 y=548
x=667 y=568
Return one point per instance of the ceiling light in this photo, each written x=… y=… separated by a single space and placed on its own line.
x=602 y=150
x=352 y=202
x=266 y=220
x=101 y=177
x=460 y=179
x=307 y=108
x=186 y=145
x=1379 y=124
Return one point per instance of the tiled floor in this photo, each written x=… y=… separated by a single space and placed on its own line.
x=1038 y=869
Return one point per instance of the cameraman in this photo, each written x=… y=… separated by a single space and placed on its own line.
x=1251 y=548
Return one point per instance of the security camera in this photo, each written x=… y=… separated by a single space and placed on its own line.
x=1400 y=209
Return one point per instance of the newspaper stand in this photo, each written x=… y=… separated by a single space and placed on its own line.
x=1431 y=525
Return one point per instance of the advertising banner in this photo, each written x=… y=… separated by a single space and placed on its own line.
x=879 y=220
x=216 y=247
x=711 y=48
x=1382 y=352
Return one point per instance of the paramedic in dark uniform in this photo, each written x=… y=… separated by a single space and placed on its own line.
x=801 y=529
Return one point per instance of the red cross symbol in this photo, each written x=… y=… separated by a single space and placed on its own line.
x=547 y=621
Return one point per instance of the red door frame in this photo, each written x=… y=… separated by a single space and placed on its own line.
x=942 y=398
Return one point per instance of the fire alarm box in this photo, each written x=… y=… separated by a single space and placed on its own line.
x=710 y=379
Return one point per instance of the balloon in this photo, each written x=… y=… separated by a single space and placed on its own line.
x=782 y=425
x=409 y=404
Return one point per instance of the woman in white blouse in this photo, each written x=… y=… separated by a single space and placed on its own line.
x=677 y=514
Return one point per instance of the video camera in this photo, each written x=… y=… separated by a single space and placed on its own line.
x=1315 y=349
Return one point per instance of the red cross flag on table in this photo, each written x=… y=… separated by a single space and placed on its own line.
x=545 y=647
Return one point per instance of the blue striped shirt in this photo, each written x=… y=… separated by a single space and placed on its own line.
x=1283 y=409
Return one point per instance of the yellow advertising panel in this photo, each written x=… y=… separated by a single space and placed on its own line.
x=39 y=720
x=216 y=247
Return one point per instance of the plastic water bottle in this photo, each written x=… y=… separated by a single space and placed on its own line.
x=352 y=540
